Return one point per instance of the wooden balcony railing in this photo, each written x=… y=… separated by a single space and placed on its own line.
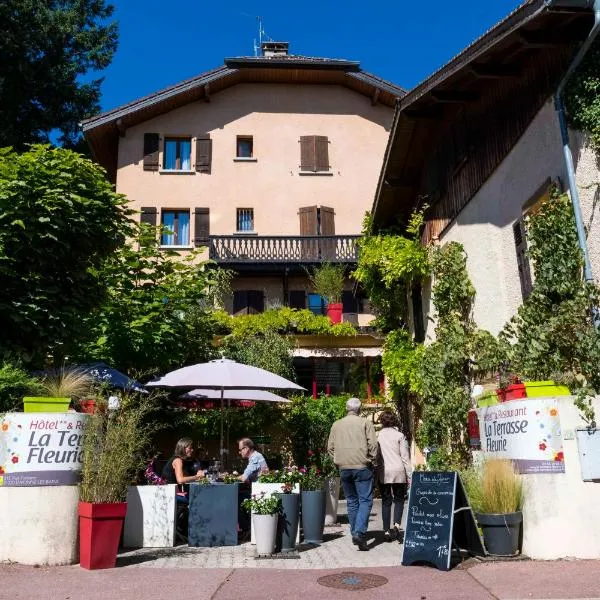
x=284 y=249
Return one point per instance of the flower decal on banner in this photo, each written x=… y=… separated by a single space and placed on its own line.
x=548 y=423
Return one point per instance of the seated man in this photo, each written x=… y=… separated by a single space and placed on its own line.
x=256 y=465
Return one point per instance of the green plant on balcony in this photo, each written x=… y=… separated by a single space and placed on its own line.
x=328 y=281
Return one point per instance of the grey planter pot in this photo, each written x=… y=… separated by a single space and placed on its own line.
x=313 y=516
x=288 y=522
x=501 y=532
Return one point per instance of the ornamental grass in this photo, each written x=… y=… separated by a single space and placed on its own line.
x=67 y=382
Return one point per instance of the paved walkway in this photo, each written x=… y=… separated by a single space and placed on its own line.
x=233 y=573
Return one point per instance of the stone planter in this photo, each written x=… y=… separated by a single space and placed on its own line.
x=265 y=532
x=332 y=496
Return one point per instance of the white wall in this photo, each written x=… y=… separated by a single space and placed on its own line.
x=561 y=511
x=484 y=226
x=39 y=525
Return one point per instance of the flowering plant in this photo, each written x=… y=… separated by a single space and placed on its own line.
x=262 y=504
x=288 y=477
x=231 y=478
x=312 y=479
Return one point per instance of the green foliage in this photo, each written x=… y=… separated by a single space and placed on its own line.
x=47 y=49
x=312 y=479
x=115 y=446
x=388 y=265
x=60 y=221
x=553 y=332
x=582 y=96
x=14 y=384
x=282 y=320
x=263 y=504
x=154 y=317
x=308 y=422
x=328 y=281
x=401 y=361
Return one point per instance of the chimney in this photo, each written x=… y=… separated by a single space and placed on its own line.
x=274 y=48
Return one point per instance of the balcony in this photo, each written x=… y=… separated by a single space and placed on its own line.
x=283 y=250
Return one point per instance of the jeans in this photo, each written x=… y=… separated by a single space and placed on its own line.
x=358 y=489
x=392 y=492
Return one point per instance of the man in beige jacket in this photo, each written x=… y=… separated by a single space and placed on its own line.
x=353 y=447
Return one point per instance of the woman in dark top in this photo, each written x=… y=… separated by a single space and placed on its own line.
x=180 y=467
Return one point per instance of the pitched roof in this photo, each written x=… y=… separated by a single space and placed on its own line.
x=102 y=130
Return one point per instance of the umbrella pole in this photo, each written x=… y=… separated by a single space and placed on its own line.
x=227 y=435
x=221 y=442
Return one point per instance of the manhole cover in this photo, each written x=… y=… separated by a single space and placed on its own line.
x=352 y=581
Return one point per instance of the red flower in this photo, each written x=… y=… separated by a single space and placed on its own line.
x=15 y=460
x=1 y=471
x=311 y=453
x=542 y=446
x=559 y=457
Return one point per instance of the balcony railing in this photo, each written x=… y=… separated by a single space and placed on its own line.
x=284 y=249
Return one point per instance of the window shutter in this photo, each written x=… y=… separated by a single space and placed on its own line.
x=148 y=216
x=151 y=152
x=321 y=153
x=307 y=153
x=308 y=220
x=256 y=301
x=203 y=153
x=327 y=221
x=522 y=258
x=417 y=306
x=349 y=302
x=201 y=226
x=297 y=299
x=240 y=301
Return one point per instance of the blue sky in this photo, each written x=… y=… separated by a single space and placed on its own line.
x=162 y=43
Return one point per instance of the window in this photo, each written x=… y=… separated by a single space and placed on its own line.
x=314 y=154
x=245 y=219
x=248 y=302
x=244 y=146
x=177 y=154
x=177 y=224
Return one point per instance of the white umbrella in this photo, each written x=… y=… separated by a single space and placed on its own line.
x=253 y=395
x=224 y=374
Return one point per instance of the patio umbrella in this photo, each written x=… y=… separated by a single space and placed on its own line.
x=102 y=373
x=252 y=395
x=224 y=374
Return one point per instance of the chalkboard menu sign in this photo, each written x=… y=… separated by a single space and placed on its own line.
x=440 y=521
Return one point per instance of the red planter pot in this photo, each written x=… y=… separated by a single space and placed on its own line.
x=100 y=528
x=87 y=406
x=512 y=392
x=334 y=312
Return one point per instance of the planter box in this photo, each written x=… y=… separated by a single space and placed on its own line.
x=334 y=312
x=269 y=488
x=45 y=405
x=516 y=391
x=213 y=516
x=545 y=388
x=150 y=520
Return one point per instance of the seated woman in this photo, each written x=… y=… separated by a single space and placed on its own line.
x=180 y=468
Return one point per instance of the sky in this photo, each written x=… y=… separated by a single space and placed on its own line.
x=162 y=43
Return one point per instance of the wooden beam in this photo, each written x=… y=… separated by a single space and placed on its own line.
x=207 y=93
x=434 y=113
x=544 y=38
x=375 y=96
x=493 y=71
x=121 y=127
x=454 y=96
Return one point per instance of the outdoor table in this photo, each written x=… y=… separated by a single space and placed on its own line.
x=213 y=514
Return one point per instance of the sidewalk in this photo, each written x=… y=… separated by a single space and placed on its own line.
x=233 y=573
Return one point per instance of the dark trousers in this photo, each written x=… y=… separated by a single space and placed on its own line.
x=392 y=493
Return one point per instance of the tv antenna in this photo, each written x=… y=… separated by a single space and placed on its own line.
x=261 y=36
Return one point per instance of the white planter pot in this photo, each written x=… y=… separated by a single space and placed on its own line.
x=265 y=532
x=332 y=496
x=269 y=488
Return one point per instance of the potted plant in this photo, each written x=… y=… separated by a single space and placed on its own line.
x=114 y=446
x=313 y=504
x=59 y=388
x=328 y=281
x=495 y=492
x=265 y=509
x=289 y=495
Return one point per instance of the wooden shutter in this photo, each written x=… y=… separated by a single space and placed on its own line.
x=201 y=226
x=151 y=152
x=256 y=301
x=203 y=153
x=321 y=153
x=327 y=221
x=297 y=299
x=417 y=306
x=307 y=153
x=308 y=220
x=522 y=258
x=240 y=301
x=148 y=216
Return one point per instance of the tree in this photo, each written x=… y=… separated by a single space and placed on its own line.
x=155 y=314
x=59 y=221
x=46 y=47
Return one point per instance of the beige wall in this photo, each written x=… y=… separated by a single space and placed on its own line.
x=276 y=115
x=484 y=226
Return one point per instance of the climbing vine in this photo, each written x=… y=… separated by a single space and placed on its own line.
x=582 y=96
x=553 y=335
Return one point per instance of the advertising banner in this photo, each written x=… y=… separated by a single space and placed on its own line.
x=527 y=431
x=38 y=449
